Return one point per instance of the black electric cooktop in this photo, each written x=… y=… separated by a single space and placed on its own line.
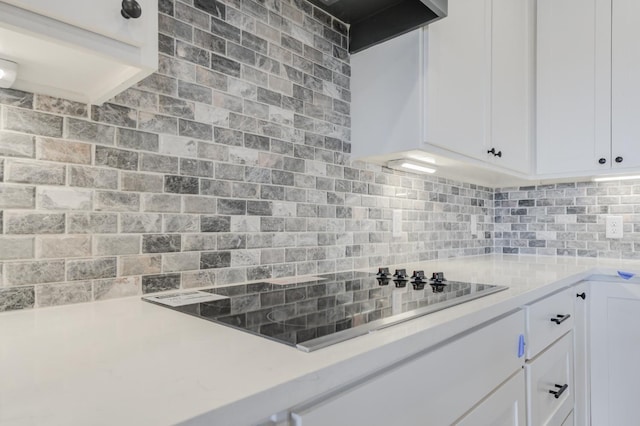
x=314 y=312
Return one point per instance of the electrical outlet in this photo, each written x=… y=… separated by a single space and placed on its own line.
x=474 y=225
x=614 y=227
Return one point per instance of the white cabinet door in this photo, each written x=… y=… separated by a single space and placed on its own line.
x=436 y=387
x=479 y=81
x=458 y=80
x=387 y=96
x=615 y=351
x=573 y=86
x=550 y=391
x=512 y=83
x=625 y=85
x=504 y=407
x=99 y=16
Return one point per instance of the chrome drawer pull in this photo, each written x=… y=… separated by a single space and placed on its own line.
x=560 y=390
x=560 y=318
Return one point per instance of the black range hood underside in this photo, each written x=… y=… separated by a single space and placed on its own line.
x=374 y=21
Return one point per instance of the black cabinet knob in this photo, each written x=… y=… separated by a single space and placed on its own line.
x=619 y=159
x=131 y=9
x=582 y=295
x=495 y=154
x=602 y=160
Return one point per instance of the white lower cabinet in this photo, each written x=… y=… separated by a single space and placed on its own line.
x=550 y=384
x=435 y=387
x=615 y=351
x=503 y=407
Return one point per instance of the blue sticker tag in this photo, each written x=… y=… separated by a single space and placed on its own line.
x=521 y=346
x=626 y=275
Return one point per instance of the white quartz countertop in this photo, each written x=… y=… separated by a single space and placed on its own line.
x=130 y=362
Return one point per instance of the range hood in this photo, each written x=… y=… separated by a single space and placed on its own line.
x=374 y=21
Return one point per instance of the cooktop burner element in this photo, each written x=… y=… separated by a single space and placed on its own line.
x=327 y=309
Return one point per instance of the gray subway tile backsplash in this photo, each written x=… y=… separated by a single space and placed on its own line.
x=231 y=163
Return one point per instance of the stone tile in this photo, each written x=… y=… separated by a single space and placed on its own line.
x=158 y=123
x=158 y=163
x=63 y=151
x=116 y=245
x=180 y=262
x=200 y=168
x=140 y=265
x=218 y=188
x=138 y=99
x=181 y=223
x=33 y=223
x=225 y=65
x=116 y=158
x=230 y=206
x=64 y=246
x=225 y=30
x=23 y=171
x=196 y=93
x=178 y=146
x=162 y=282
x=228 y=136
x=16 y=98
x=61 y=106
x=91 y=269
x=193 y=129
x=211 y=79
x=12 y=248
x=64 y=199
x=113 y=288
x=231 y=242
x=198 y=242
x=36 y=123
x=199 y=204
x=17 y=197
x=161 y=203
x=191 y=53
x=37 y=272
x=181 y=184
x=176 y=107
x=216 y=259
x=215 y=223
x=161 y=243
x=140 y=223
x=134 y=139
x=159 y=83
x=116 y=115
x=93 y=177
x=16 y=298
x=90 y=132
x=195 y=279
x=141 y=182
x=116 y=201
x=63 y=293
x=16 y=145
x=92 y=223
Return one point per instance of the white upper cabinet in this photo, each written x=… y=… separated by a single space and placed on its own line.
x=625 y=85
x=587 y=105
x=79 y=50
x=479 y=81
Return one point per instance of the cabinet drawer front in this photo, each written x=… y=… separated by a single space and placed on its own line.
x=547 y=320
x=551 y=372
x=569 y=421
x=436 y=387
